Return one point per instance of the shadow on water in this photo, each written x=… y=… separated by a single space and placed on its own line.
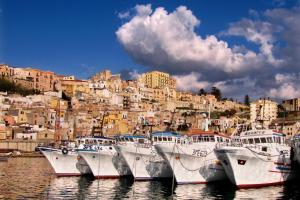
x=84 y=182
x=122 y=188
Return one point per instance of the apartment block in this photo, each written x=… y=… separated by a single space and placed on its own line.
x=156 y=79
x=291 y=104
x=263 y=110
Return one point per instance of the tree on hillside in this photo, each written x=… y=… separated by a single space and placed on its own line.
x=13 y=88
x=202 y=92
x=216 y=92
x=247 y=100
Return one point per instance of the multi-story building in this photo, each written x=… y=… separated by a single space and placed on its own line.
x=72 y=87
x=291 y=104
x=31 y=78
x=263 y=110
x=102 y=76
x=6 y=71
x=156 y=79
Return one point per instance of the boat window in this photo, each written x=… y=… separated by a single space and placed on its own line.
x=155 y=139
x=211 y=138
x=131 y=139
x=244 y=141
x=206 y=138
x=221 y=139
x=227 y=140
x=250 y=141
x=264 y=149
x=141 y=141
x=159 y=139
x=199 y=139
x=126 y=139
x=178 y=141
x=169 y=139
x=263 y=140
x=269 y=140
x=276 y=139
x=257 y=141
x=164 y=139
x=195 y=139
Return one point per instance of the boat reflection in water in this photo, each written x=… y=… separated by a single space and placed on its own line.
x=19 y=181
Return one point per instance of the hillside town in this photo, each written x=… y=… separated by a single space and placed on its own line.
x=63 y=107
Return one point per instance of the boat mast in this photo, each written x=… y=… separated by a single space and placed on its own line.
x=57 y=123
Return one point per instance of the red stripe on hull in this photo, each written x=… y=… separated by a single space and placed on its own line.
x=194 y=183
x=278 y=163
x=108 y=177
x=67 y=174
x=245 y=186
x=280 y=171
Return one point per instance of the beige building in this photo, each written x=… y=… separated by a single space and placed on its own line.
x=156 y=79
x=263 y=110
x=291 y=104
x=30 y=78
x=6 y=71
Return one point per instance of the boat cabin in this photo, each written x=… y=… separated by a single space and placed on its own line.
x=261 y=137
x=166 y=137
x=96 y=140
x=199 y=136
x=140 y=139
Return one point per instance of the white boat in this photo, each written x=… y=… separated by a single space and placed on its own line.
x=104 y=161
x=296 y=148
x=256 y=158
x=192 y=158
x=65 y=160
x=142 y=158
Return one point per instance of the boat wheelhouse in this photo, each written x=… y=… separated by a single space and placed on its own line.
x=65 y=160
x=262 y=152
x=192 y=157
x=142 y=158
x=102 y=158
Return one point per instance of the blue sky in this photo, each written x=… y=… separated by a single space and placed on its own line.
x=79 y=37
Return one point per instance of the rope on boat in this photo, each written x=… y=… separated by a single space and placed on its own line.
x=98 y=183
x=192 y=155
x=197 y=169
x=134 y=173
x=257 y=153
x=173 y=174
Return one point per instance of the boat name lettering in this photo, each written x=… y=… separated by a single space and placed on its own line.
x=199 y=153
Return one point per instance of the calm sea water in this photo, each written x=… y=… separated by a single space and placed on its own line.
x=32 y=178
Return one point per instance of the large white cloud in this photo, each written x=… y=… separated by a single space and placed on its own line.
x=168 y=40
x=287 y=86
x=190 y=82
x=259 y=32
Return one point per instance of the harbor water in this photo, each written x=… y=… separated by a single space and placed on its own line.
x=32 y=178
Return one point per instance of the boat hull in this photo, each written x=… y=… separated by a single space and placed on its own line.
x=190 y=167
x=297 y=152
x=144 y=161
x=62 y=164
x=247 y=169
x=105 y=162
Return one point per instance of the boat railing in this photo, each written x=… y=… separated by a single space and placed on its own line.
x=228 y=144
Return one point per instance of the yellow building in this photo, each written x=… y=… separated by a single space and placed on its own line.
x=156 y=79
x=263 y=110
x=70 y=87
